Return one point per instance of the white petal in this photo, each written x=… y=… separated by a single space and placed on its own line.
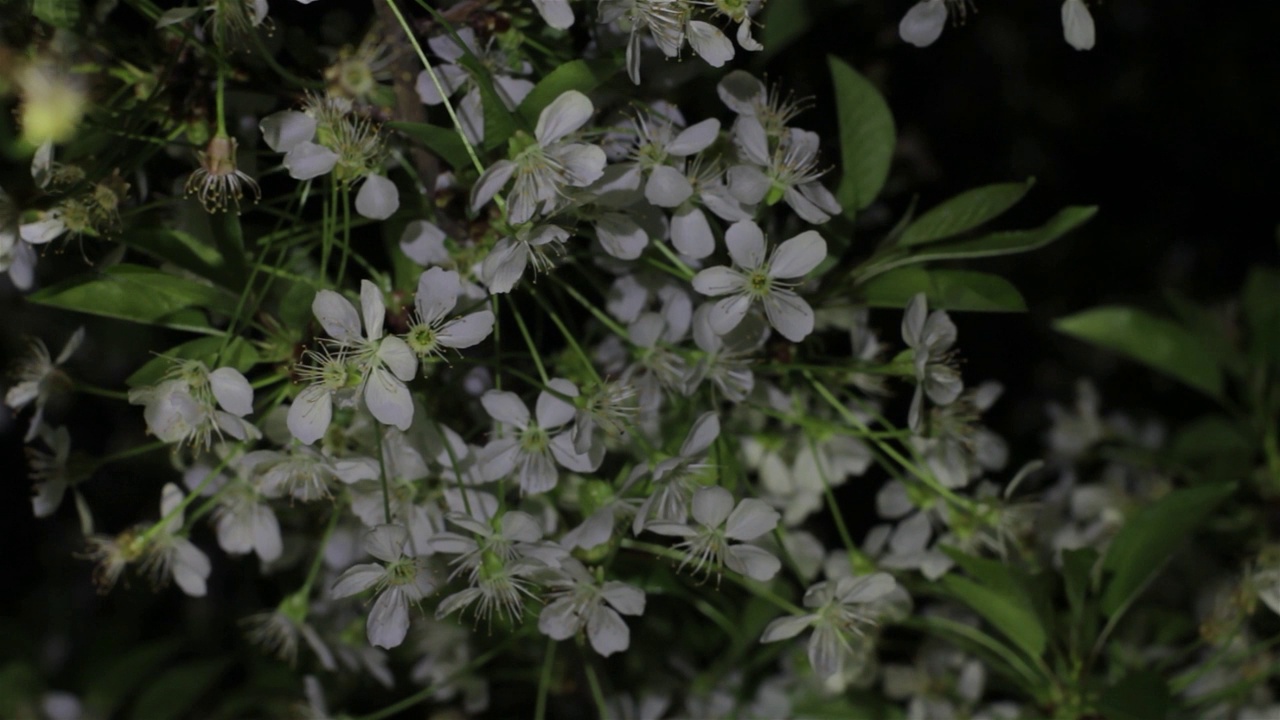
x=691 y=233
x=423 y=243
x=389 y=619
x=559 y=620
x=564 y=115
x=789 y=314
x=923 y=23
x=727 y=312
x=490 y=182
x=804 y=207
x=826 y=652
x=73 y=344
x=506 y=407
x=375 y=311
x=385 y=542
x=741 y=92
x=1077 y=25
x=170 y=498
x=785 y=628
x=753 y=140
x=620 y=236
x=451 y=78
x=695 y=138
x=310 y=414
x=504 y=265
x=744 y=37
x=667 y=187
x=752 y=562
x=626 y=599
x=232 y=391
x=718 y=280
x=567 y=455
x=395 y=354
x=190 y=568
x=266 y=534
x=512 y=90
x=607 y=632
x=388 y=399
x=705 y=430
x=746 y=244
x=378 y=198
x=555 y=12
x=42 y=231
x=173 y=16
x=751 y=519
x=711 y=505
x=498 y=459
x=709 y=43
x=337 y=316
x=437 y=294
x=467 y=331
x=746 y=185
x=308 y=160
x=284 y=131
x=913 y=320
x=865 y=589
x=552 y=411
x=583 y=164
x=798 y=256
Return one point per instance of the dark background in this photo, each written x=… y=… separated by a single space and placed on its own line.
x=1169 y=125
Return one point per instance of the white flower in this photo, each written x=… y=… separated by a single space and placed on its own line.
x=727 y=359
x=39 y=377
x=193 y=405
x=1077 y=24
x=578 y=600
x=432 y=330
x=383 y=364
x=505 y=264
x=557 y=13
x=49 y=471
x=789 y=172
x=543 y=166
x=931 y=339
x=170 y=554
x=719 y=522
x=842 y=608
x=348 y=145
x=530 y=445
x=659 y=151
x=767 y=281
x=675 y=479
x=401 y=579
x=923 y=23
x=246 y=523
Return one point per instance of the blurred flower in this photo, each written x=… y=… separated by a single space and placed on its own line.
x=931 y=339
x=1077 y=24
x=170 y=554
x=39 y=377
x=843 y=608
x=719 y=522
x=576 y=601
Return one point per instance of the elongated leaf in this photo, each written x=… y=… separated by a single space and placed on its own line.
x=867 y=137
x=140 y=294
x=1155 y=342
x=240 y=354
x=1014 y=590
x=1009 y=242
x=1140 y=695
x=783 y=23
x=1151 y=536
x=58 y=13
x=965 y=212
x=499 y=123
x=946 y=289
x=445 y=142
x=176 y=691
x=581 y=75
x=1011 y=615
x=177 y=247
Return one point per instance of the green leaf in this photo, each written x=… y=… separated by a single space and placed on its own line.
x=1261 y=302
x=1010 y=242
x=445 y=142
x=783 y=23
x=1140 y=695
x=240 y=354
x=177 y=247
x=175 y=692
x=58 y=13
x=1077 y=573
x=1155 y=342
x=867 y=137
x=965 y=212
x=946 y=289
x=1000 y=596
x=581 y=75
x=1149 y=538
x=140 y=294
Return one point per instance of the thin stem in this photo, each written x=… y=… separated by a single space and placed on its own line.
x=528 y=339
x=220 y=100
x=440 y=89
x=544 y=680
x=346 y=231
x=382 y=474
x=432 y=689
x=131 y=452
x=754 y=587
x=596 y=693
x=314 y=571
